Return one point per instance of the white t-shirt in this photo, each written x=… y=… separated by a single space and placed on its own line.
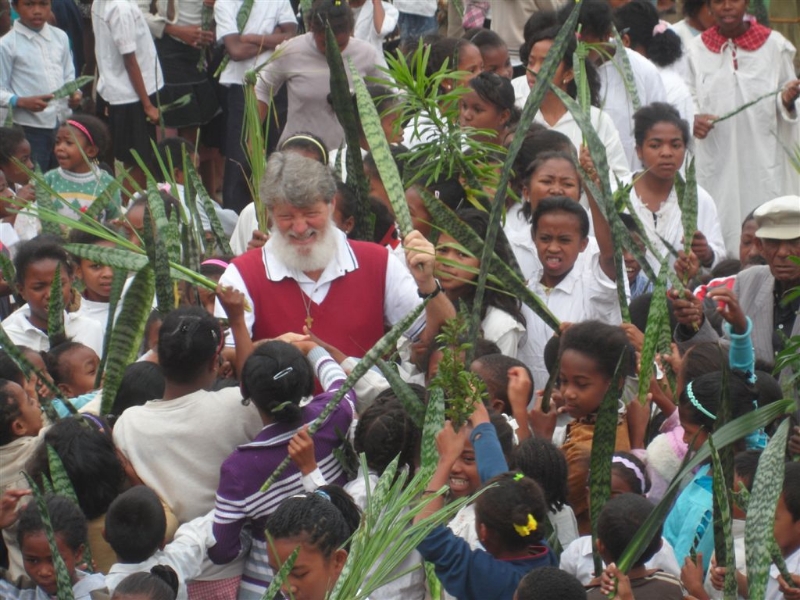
x=81 y=329
x=424 y=8
x=365 y=26
x=119 y=29
x=265 y=16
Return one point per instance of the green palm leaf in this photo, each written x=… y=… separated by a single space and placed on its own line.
x=723 y=535
x=69 y=88
x=156 y=226
x=117 y=285
x=27 y=368
x=659 y=313
x=55 y=310
x=434 y=423
x=688 y=203
x=404 y=393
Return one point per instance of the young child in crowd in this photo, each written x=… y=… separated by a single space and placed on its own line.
x=78 y=181
x=619 y=521
x=275 y=377
x=510 y=388
x=628 y=476
x=637 y=280
x=14 y=146
x=489 y=107
x=96 y=278
x=589 y=352
x=69 y=530
x=35 y=61
x=457 y=269
x=36 y=264
x=135 y=527
x=494 y=51
x=73 y=367
x=320 y=523
x=551 y=583
x=161 y=583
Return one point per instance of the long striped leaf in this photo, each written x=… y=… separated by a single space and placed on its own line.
x=603 y=443
x=120 y=260
x=156 y=225
x=723 y=535
x=117 y=285
x=538 y=92
x=626 y=71
x=62 y=575
x=404 y=393
x=55 y=310
x=44 y=200
x=659 y=312
x=382 y=347
x=688 y=204
x=10 y=276
x=378 y=144
x=71 y=87
x=730 y=433
x=767 y=486
x=434 y=423
x=216 y=227
x=255 y=142
x=190 y=199
x=273 y=591
x=10 y=348
x=128 y=332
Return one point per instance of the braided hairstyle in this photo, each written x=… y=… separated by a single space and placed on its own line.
x=276 y=377
x=706 y=391
x=326 y=518
x=161 y=583
x=187 y=341
x=510 y=503
x=540 y=460
x=384 y=431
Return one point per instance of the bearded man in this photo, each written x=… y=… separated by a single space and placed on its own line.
x=309 y=275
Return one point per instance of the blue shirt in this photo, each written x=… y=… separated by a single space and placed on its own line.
x=692 y=516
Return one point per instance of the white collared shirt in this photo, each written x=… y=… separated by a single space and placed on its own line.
x=80 y=329
x=365 y=26
x=400 y=289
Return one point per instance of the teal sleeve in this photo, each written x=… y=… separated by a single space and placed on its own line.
x=741 y=356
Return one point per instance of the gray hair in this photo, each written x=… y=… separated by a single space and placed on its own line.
x=297 y=180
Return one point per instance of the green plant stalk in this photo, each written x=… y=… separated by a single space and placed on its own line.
x=117 y=285
x=745 y=106
x=603 y=444
x=55 y=310
x=434 y=423
x=175 y=104
x=733 y=431
x=206 y=24
x=69 y=88
x=254 y=140
x=532 y=104
x=155 y=227
x=659 y=312
x=759 y=526
x=280 y=577
x=688 y=205
x=723 y=535
x=27 y=368
x=216 y=226
x=10 y=277
x=190 y=196
x=404 y=393
x=383 y=345
x=62 y=575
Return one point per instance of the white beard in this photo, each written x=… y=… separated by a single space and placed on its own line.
x=314 y=257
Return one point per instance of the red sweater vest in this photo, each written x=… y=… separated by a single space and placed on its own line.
x=351 y=316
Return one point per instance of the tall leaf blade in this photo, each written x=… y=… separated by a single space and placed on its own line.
x=156 y=225
x=404 y=393
x=44 y=200
x=723 y=535
x=55 y=310
x=659 y=312
x=216 y=227
x=28 y=368
x=434 y=423
x=688 y=204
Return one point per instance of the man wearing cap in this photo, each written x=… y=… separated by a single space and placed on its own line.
x=761 y=291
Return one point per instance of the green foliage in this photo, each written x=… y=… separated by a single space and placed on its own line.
x=117 y=285
x=156 y=226
x=254 y=139
x=758 y=531
x=216 y=228
x=175 y=104
x=286 y=568
x=603 y=444
x=69 y=88
x=659 y=313
x=404 y=393
x=746 y=105
x=62 y=575
x=127 y=334
x=10 y=276
x=687 y=200
x=44 y=201
x=55 y=310
x=723 y=535
x=434 y=423
x=461 y=387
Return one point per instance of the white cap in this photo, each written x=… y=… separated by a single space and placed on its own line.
x=779 y=219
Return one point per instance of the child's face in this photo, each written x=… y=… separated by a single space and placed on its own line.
x=663 y=150
x=555 y=177
x=33 y=13
x=313 y=575
x=70 y=142
x=455 y=268
x=787 y=530
x=29 y=422
x=464 y=479
x=497 y=60
x=81 y=363
x=470 y=62
x=581 y=383
x=134 y=224
x=14 y=174
x=96 y=277
x=35 y=288
x=474 y=111
x=37 y=361
x=38 y=560
x=558 y=242
x=691 y=430
x=420 y=217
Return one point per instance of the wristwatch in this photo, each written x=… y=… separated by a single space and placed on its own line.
x=434 y=293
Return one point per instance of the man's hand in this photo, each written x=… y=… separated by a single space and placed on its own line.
x=688 y=308
x=728 y=307
x=702 y=250
x=34 y=103
x=703 y=124
x=791 y=91
x=258 y=240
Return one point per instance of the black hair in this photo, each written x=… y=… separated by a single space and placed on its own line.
x=551 y=583
x=170 y=151
x=52 y=360
x=537 y=141
x=649 y=116
x=639 y=19
x=189 y=338
x=478 y=221
x=539 y=161
x=745 y=465
x=346 y=201
x=497 y=91
x=161 y=583
x=9 y=412
x=706 y=390
x=601 y=342
x=42 y=247
x=537 y=22
x=495 y=375
x=335 y=13
x=10 y=140
x=592 y=76
x=706 y=357
x=445 y=49
x=101 y=136
x=141 y=381
x=384 y=431
x=691 y=8
x=768 y=388
x=726 y=268
x=628 y=475
x=640 y=309
x=303 y=140
x=90 y=461
x=327 y=518
x=275 y=378
x=595 y=17
x=561 y=204
x=619 y=521
x=212 y=269
x=791 y=489
x=510 y=500
x=384 y=220
x=66 y=519
x=135 y=524
x=171 y=203
x=484 y=38
x=10 y=370
x=77 y=236
x=551 y=353
x=540 y=460
x=505 y=434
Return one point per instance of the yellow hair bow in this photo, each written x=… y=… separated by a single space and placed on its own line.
x=528 y=528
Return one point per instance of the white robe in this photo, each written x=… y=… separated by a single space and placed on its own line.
x=742 y=162
x=678 y=94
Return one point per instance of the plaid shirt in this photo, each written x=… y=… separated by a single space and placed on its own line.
x=751 y=40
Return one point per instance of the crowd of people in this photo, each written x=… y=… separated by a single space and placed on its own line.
x=168 y=499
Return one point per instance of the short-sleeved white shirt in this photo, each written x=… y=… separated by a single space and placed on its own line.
x=81 y=329
x=264 y=18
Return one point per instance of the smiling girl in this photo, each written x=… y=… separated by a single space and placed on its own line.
x=488 y=106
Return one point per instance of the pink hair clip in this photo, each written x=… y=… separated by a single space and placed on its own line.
x=661 y=27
